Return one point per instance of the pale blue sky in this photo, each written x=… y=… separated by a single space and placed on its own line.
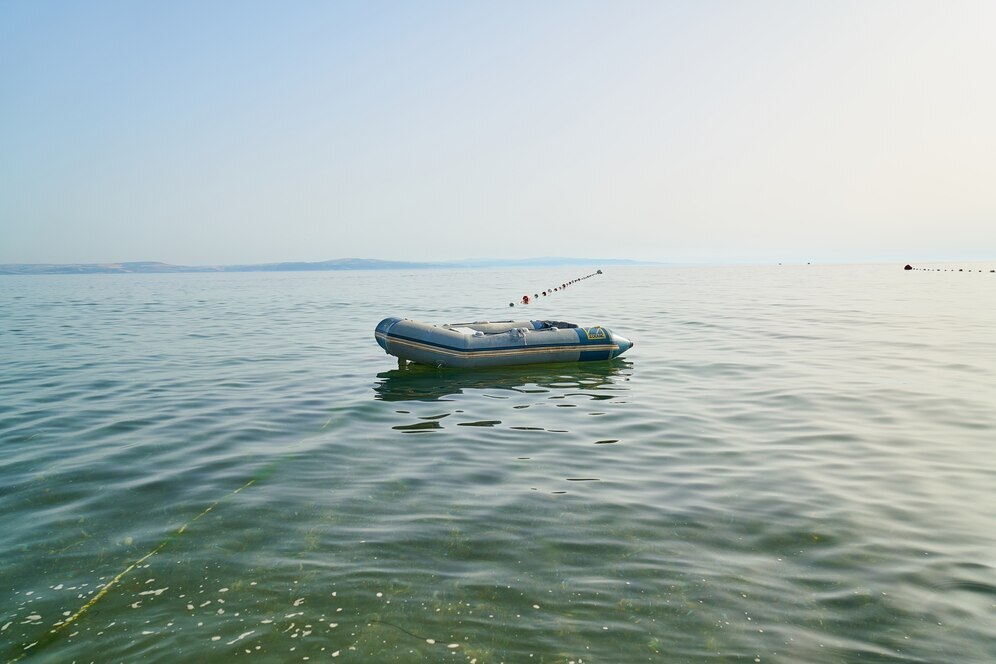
x=234 y=132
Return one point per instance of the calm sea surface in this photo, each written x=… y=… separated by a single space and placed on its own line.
x=793 y=464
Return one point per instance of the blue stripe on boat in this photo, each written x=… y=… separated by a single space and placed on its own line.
x=520 y=347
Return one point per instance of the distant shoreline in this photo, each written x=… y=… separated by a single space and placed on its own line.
x=153 y=267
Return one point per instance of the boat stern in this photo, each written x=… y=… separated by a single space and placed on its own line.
x=383 y=327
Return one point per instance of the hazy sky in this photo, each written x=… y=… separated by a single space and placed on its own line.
x=228 y=132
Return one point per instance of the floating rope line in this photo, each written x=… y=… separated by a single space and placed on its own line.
x=527 y=299
x=946 y=269
x=263 y=473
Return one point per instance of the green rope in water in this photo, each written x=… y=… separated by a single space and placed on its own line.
x=263 y=473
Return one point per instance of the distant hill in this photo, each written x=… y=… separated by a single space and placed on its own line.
x=143 y=267
x=152 y=267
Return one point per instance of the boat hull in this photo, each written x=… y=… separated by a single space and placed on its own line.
x=495 y=344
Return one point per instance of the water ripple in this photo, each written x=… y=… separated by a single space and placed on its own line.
x=793 y=464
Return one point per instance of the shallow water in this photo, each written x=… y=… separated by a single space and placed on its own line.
x=792 y=464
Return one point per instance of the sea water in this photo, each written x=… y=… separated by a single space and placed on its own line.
x=794 y=463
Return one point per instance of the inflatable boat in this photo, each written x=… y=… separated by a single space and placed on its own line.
x=494 y=344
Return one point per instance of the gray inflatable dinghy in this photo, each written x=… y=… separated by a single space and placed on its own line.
x=495 y=344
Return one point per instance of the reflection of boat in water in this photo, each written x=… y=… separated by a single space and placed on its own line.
x=421 y=383
x=502 y=343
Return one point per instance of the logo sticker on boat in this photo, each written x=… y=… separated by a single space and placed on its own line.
x=594 y=333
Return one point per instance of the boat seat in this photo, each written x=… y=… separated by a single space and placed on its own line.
x=467 y=330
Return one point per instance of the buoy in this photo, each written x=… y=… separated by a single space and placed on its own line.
x=530 y=299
